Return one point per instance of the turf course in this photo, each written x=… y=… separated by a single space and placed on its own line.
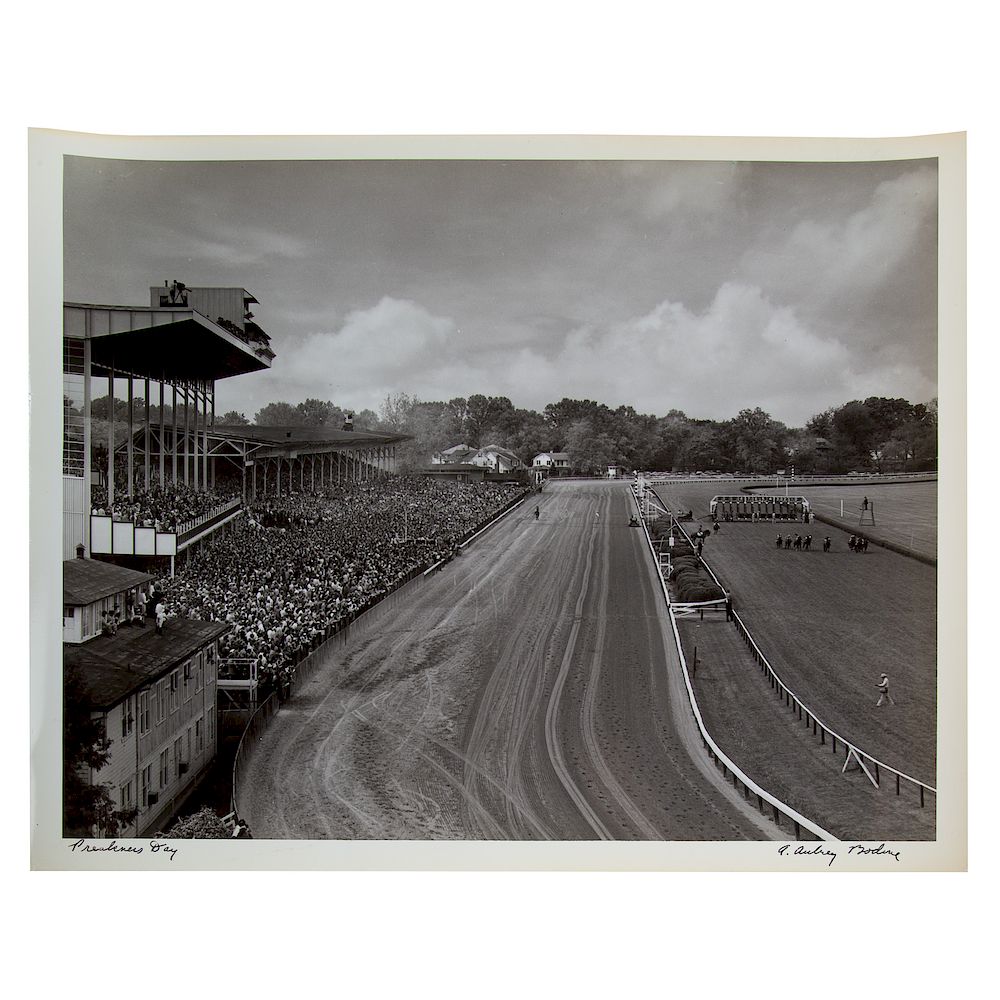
x=905 y=514
x=830 y=623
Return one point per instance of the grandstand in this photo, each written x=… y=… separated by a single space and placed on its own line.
x=203 y=562
x=176 y=353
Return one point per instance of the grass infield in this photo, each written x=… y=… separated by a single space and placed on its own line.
x=830 y=623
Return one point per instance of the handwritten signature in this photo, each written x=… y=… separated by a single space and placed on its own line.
x=154 y=847
x=857 y=850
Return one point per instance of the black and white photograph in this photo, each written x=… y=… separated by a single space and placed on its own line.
x=582 y=494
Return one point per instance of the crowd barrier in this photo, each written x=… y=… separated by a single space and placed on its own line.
x=871 y=766
x=259 y=722
x=306 y=661
x=719 y=758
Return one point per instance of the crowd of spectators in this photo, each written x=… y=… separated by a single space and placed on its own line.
x=162 y=507
x=298 y=567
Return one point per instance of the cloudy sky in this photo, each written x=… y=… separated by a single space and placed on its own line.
x=702 y=286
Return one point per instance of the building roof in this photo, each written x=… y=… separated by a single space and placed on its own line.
x=500 y=450
x=113 y=666
x=175 y=341
x=290 y=435
x=556 y=456
x=88 y=580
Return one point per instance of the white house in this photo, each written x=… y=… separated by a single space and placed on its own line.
x=456 y=455
x=551 y=463
x=497 y=459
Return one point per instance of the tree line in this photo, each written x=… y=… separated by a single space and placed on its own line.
x=877 y=434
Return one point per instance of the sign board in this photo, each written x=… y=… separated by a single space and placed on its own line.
x=670 y=541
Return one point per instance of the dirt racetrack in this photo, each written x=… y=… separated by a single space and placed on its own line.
x=528 y=690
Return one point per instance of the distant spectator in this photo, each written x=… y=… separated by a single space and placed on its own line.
x=883 y=692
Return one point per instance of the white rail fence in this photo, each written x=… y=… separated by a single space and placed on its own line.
x=729 y=769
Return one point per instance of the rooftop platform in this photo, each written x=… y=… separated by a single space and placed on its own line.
x=112 y=667
x=173 y=342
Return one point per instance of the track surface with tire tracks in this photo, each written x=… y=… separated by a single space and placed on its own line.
x=529 y=690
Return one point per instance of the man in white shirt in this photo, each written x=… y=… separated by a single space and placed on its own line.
x=883 y=692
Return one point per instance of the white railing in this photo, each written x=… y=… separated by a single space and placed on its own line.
x=778 y=807
x=220 y=510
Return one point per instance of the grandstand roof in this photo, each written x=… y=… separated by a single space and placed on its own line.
x=286 y=434
x=88 y=580
x=114 y=666
x=156 y=342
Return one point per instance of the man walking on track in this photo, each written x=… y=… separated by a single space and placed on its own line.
x=536 y=513
x=883 y=692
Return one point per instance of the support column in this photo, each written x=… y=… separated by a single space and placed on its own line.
x=312 y=471
x=162 y=448
x=254 y=476
x=277 y=488
x=204 y=439
x=111 y=441
x=88 y=475
x=130 y=443
x=175 y=449
x=195 y=466
x=187 y=436
x=145 y=439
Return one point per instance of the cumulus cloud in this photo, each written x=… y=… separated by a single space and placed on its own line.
x=743 y=350
x=820 y=260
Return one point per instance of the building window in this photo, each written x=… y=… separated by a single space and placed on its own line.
x=161 y=702
x=164 y=768
x=143 y=712
x=174 y=682
x=210 y=664
x=199 y=736
x=211 y=725
x=177 y=757
x=147 y=777
x=127 y=718
x=199 y=677
x=125 y=796
x=188 y=680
